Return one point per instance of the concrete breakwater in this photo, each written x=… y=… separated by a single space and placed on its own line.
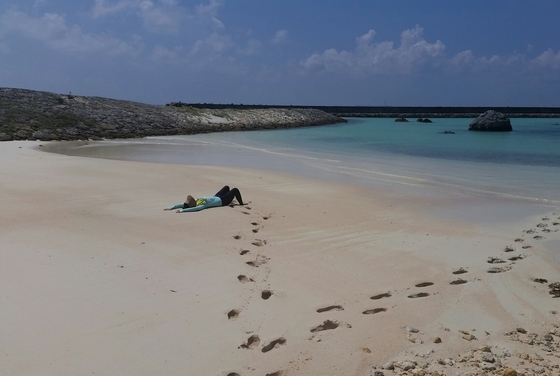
x=424 y=115
x=36 y=115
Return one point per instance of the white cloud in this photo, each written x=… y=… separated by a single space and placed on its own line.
x=166 y=17
x=51 y=29
x=462 y=59
x=104 y=8
x=379 y=58
x=547 y=59
x=253 y=47
x=210 y=9
x=157 y=15
x=280 y=37
x=160 y=53
x=466 y=60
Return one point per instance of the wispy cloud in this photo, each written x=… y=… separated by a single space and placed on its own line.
x=379 y=58
x=548 y=59
x=52 y=30
x=104 y=8
x=157 y=15
x=281 y=36
x=466 y=60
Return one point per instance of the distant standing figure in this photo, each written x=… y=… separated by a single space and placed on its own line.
x=224 y=197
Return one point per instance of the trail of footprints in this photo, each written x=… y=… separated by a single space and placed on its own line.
x=509 y=259
x=257 y=275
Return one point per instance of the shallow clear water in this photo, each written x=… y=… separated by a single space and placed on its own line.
x=523 y=165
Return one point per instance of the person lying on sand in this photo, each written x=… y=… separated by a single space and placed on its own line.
x=224 y=197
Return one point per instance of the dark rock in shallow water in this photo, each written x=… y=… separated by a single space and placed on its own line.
x=421 y=120
x=447 y=132
x=401 y=120
x=491 y=121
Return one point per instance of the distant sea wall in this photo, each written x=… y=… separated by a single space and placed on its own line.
x=426 y=115
x=407 y=111
x=36 y=115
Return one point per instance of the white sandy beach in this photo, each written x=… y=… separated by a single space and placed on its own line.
x=95 y=278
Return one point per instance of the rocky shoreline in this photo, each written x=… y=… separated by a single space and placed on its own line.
x=36 y=115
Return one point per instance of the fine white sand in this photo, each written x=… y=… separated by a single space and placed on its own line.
x=95 y=278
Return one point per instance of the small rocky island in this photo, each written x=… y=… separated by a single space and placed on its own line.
x=36 y=115
x=491 y=121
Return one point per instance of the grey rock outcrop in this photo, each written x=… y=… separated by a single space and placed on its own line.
x=491 y=121
x=35 y=115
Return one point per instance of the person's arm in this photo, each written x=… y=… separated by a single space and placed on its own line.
x=196 y=208
x=204 y=203
x=178 y=206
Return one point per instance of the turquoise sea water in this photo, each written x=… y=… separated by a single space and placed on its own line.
x=523 y=165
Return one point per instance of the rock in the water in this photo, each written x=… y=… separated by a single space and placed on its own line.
x=401 y=120
x=491 y=121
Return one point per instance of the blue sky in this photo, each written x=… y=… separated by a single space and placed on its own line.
x=307 y=52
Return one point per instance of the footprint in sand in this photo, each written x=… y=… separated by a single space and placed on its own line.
x=527 y=246
x=460 y=271
x=424 y=284
x=499 y=270
x=509 y=248
x=517 y=240
x=419 y=295
x=244 y=279
x=259 y=242
x=237 y=237
x=326 y=325
x=266 y=217
x=244 y=252
x=530 y=231
x=233 y=374
x=458 y=282
x=538 y=237
x=515 y=258
x=495 y=260
x=266 y=294
x=258 y=261
x=379 y=296
x=540 y=280
x=233 y=314
x=255 y=230
x=255 y=223
x=252 y=342
x=273 y=344
x=277 y=373
x=374 y=311
x=331 y=308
